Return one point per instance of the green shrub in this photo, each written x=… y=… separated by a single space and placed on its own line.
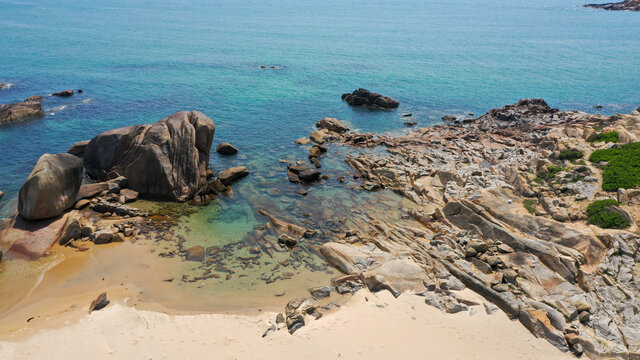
x=599 y=213
x=611 y=136
x=571 y=155
x=552 y=170
x=623 y=166
x=530 y=205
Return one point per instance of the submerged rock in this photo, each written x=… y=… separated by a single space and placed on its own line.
x=195 y=253
x=19 y=111
x=166 y=160
x=230 y=175
x=51 y=188
x=363 y=97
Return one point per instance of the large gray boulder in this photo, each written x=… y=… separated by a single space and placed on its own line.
x=51 y=188
x=166 y=160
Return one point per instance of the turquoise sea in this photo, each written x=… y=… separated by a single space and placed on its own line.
x=138 y=61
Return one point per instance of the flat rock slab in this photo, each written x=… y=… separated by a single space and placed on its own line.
x=31 y=239
x=92 y=190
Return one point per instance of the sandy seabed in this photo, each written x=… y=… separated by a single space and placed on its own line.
x=368 y=326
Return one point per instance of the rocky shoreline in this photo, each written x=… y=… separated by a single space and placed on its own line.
x=627 y=5
x=501 y=209
x=501 y=204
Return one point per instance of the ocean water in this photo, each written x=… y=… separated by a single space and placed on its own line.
x=139 y=61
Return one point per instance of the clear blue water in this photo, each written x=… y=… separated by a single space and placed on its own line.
x=139 y=61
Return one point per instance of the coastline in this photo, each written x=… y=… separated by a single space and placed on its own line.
x=403 y=328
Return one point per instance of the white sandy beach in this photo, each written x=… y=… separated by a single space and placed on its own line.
x=380 y=328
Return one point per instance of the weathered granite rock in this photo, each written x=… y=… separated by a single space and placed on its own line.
x=34 y=98
x=78 y=148
x=226 y=149
x=92 y=190
x=628 y=5
x=362 y=97
x=166 y=160
x=332 y=124
x=397 y=276
x=230 y=175
x=51 y=188
x=99 y=303
x=19 y=111
x=31 y=239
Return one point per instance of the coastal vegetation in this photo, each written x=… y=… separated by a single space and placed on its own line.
x=602 y=213
x=571 y=154
x=621 y=166
x=608 y=137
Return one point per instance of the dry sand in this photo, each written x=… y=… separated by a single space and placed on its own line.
x=380 y=328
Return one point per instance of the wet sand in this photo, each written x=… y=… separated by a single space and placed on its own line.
x=369 y=326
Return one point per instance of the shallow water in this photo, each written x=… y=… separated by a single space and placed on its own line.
x=138 y=61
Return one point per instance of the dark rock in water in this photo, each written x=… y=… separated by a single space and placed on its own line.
x=80 y=91
x=19 y=111
x=407 y=115
x=166 y=160
x=362 y=97
x=63 y=93
x=301 y=173
x=597 y=106
x=410 y=123
x=34 y=98
x=226 y=149
x=309 y=175
x=303 y=192
x=232 y=174
x=628 y=5
x=78 y=148
x=320 y=292
x=99 y=303
x=195 y=253
x=332 y=124
x=287 y=241
x=51 y=188
x=449 y=118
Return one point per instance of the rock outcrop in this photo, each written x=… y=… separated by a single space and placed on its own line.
x=362 y=97
x=20 y=111
x=166 y=160
x=500 y=209
x=628 y=5
x=51 y=188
